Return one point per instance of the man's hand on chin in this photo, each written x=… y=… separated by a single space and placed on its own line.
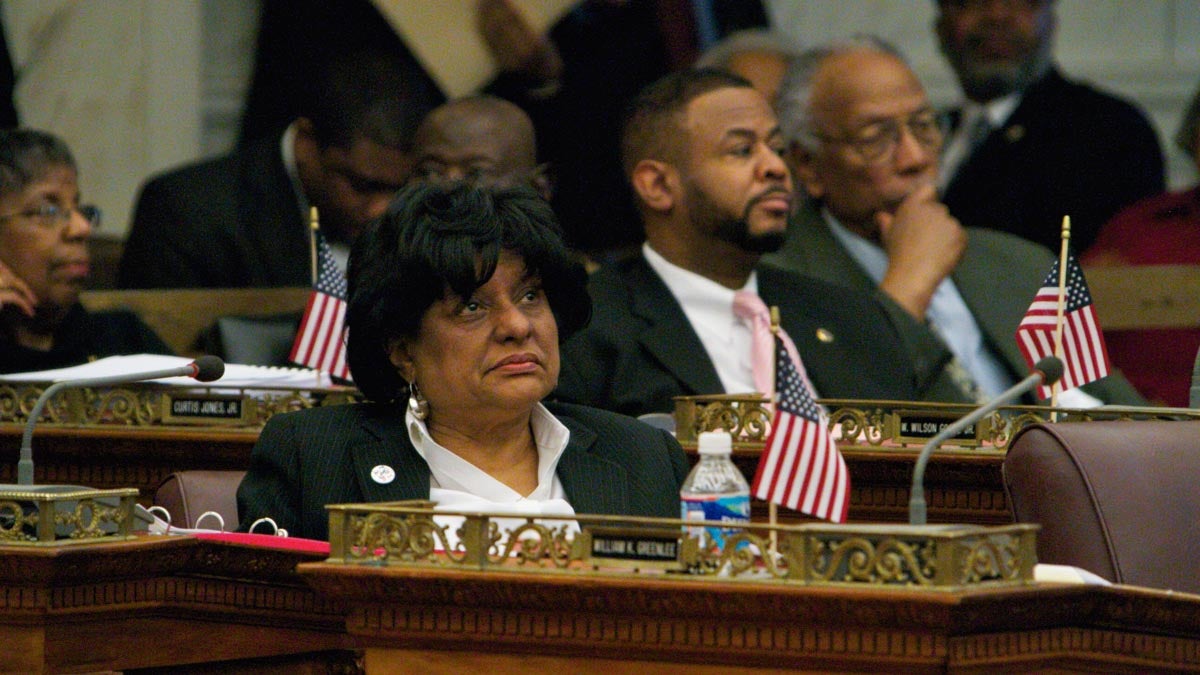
x=924 y=244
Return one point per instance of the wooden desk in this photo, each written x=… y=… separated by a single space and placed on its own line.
x=961 y=487
x=163 y=602
x=1134 y=297
x=454 y=621
x=179 y=605
x=180 y=315
x=108 y=457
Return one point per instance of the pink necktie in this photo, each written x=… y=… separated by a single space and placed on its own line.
x=750 y=307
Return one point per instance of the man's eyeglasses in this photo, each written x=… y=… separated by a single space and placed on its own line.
x=53 y=216
x=877 y=142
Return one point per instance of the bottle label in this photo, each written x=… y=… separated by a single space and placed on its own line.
x=722 y=508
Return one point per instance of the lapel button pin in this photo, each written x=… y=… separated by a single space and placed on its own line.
x=383 y=474
x=824 y=335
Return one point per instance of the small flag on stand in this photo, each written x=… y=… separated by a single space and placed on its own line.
x=321 y=343
x=1084 y=355
x=801 y=467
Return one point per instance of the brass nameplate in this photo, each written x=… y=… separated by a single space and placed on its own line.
x=918 y=426
x=638 y=545
x=203 y=409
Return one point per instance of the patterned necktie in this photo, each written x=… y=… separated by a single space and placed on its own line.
x=750 y=307
x=973 y=129
x=959 y=374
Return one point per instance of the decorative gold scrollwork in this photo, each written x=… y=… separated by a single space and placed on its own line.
x=991 y=559
x=886 y=561
x=89 y=518
x=13 y=521
x=533 y=543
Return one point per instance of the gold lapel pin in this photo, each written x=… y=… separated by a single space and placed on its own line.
x=824 y=335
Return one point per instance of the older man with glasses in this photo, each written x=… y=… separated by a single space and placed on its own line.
x=864 y=142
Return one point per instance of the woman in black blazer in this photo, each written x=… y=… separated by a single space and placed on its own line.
x=458 y=300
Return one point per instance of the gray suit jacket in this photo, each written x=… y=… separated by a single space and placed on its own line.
x=997 y=277
x=309 y=458
x=640 y=350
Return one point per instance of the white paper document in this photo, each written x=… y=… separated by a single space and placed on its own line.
x=237 y=376
x=444 y=36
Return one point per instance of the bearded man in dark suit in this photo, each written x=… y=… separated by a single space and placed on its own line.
x=703 y=153
x=1030 y=146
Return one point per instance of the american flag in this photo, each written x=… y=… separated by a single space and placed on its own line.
x=1085 y=358
x=321 y=343
x=801 y=467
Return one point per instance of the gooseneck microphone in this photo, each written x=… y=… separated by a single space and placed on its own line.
x=204 y=369
x=1045 y=372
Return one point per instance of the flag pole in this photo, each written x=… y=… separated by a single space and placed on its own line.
x=313 y=226
x=1062 y=301
x=772 y=508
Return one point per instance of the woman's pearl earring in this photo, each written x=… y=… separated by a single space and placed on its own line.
x=417 y=405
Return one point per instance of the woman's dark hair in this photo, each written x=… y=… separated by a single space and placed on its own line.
x=26 y=155
x=440 y=238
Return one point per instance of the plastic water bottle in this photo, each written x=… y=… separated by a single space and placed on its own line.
x=715 y=490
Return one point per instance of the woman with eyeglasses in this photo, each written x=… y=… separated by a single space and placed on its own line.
x=44 y=264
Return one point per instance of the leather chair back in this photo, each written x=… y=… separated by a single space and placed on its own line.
x=253 y=340
x=187 y=495
x=1120 y=499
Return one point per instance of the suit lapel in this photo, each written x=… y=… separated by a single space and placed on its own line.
x=274 y=240
x=798 y=321
x=593 y=484
x=384 y=443
x=996 y=315
x=1000 y=143
x=669 y=336
x=812 y=250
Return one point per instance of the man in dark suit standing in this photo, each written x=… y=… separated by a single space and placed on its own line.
x=1028 y=145
x=702 y=151
x=242 y=220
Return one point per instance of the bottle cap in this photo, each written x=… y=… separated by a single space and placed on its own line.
x=715 y=443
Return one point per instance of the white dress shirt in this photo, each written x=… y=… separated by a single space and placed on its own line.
x=948 y=312
x=958 y=146
x=708 y=306
x=457 y=479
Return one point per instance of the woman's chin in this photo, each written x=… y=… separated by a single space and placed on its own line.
x=521 y=394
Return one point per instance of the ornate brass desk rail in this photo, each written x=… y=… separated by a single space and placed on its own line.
x=891 y=425
x=65 y=515
x=155 y=405
x=865 y=424
x=941 y=557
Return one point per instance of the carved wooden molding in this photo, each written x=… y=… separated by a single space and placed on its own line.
x=745 y=624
